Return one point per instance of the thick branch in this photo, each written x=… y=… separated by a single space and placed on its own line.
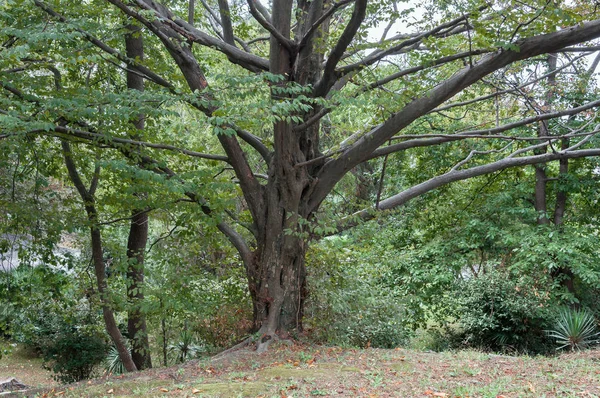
x=329 y=73
x=284 y=41
x=315 y=26
x=226 y=22
x=364 y=147
x=165 y=19
x=440 y=139
x=457 y=175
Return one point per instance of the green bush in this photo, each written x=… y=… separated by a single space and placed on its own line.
x=73 y=354
x=49 y=316
x=348 y=306
x=496 y=312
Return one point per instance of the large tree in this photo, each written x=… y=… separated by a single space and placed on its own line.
x=315 y=71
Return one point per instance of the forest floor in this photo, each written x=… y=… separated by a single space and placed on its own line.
x=307 y=371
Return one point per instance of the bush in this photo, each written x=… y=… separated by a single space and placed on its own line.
x=74 y=354
x=348 y=306
x=496 y=312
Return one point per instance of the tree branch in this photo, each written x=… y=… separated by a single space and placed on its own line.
x=226 y=22
x=440 y=139
x=329 y=73
x=458 y=175
x=501 y=92
x=315 y=26
x=412 y=41
x=125 y=141
x=284 y=41
x=149 y=74
x=364 y=147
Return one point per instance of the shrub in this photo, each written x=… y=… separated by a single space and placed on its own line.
x=186 y=348
x=575 y=329
x=7 y=315
x=74 y=354
x=498 y=313
x=348 y=306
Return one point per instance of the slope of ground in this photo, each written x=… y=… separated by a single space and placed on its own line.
x=25 y=367
x=303 y=371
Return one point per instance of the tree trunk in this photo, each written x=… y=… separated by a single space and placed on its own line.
x=277 y=282
x=138 y=231
x=136 y=322
x=107 y=313
x=87 y=195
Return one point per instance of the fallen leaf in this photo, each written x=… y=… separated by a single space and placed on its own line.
x=531 y=388
x=59 y=393
x=428 y=392
x=110 y=391
x=164 y=390
x=195 y=391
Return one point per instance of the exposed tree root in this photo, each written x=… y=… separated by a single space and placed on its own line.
x=244 y=343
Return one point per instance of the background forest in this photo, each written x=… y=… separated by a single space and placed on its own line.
x=180 y=177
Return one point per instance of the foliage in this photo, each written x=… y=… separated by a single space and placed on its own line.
x=347 y=306
x=574 y=329
x=186 y=347
x=74 y=353
x=112 y=362
x=7 y=316
x=496 y=311
x=50 y=316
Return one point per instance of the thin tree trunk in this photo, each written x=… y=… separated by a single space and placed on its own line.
x=87 y=195
x=138 y=231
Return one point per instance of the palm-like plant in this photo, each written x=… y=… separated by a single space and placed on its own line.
x=113 y=363
x=186 y=348
x=575 y=329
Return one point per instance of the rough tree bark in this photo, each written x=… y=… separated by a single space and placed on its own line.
x=138 y=231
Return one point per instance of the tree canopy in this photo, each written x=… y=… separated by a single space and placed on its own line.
x=267 y=117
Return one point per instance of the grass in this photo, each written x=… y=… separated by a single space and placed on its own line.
x=25 y=367
x=309 y=371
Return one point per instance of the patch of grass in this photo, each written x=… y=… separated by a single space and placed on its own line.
x=349 y=373
x=24 y=365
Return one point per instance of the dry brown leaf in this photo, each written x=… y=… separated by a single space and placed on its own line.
x=164 y=390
